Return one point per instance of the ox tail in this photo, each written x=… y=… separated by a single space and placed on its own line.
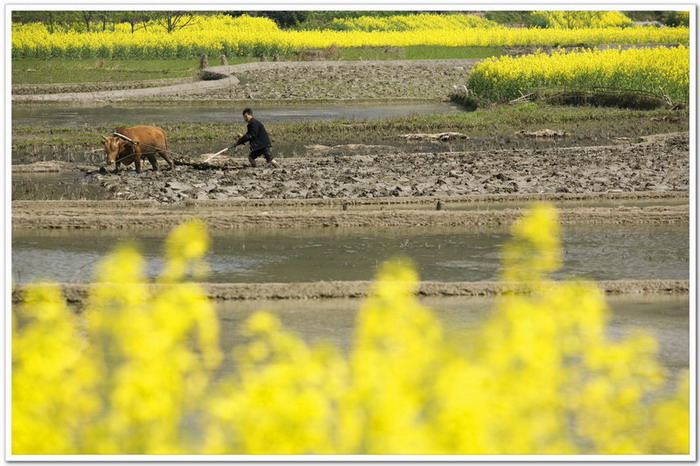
x=168 y=153
x=166 y=145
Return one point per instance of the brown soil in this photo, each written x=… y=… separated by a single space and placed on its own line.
x=77 y=293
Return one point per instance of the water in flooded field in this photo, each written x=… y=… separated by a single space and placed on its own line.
x=665 y=317
x=158 y=115
x=600 y=252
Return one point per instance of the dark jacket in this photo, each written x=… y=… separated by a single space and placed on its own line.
x=257 y=135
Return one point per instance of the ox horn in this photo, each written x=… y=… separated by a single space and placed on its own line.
x=104 y=138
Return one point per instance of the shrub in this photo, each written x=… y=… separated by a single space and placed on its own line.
x=677 y=18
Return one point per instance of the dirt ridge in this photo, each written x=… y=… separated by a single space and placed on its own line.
x=78 y=293
x=475 y=199
x=222 y=218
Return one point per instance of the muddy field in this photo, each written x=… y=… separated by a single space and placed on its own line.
x=660 y=163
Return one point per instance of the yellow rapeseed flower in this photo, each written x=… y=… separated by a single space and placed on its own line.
x=539 y=376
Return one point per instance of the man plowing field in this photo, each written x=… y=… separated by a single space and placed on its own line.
x=260 y=143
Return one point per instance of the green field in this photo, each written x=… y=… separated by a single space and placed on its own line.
x=42 y=71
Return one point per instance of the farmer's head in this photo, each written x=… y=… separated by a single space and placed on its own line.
x=247 y=114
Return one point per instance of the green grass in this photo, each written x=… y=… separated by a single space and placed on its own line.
x=48 y=71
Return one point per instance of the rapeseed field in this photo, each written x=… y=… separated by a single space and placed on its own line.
x=657 y=70
x=254 y=36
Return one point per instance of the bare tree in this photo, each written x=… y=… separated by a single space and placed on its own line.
x=87 y=17
x=175 y=20
x=134 y=18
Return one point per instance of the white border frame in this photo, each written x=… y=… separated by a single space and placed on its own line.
x=357 y=5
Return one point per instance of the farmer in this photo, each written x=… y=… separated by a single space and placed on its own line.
x=259 y=140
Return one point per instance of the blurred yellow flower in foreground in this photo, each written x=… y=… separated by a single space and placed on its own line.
x=540 y=376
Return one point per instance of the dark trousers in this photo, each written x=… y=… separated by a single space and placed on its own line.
x=265 y=151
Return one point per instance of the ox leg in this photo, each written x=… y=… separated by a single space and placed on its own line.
x=168 y=159
x=116 y=166
x=154 y=162
x=137 y=162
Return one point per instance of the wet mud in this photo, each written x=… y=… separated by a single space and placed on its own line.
x=375 y=189
x=659 y=164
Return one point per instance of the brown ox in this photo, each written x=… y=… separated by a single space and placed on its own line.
x=129 y=145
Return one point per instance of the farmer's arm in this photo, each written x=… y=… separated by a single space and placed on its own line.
x=250 y=135
x=240 y=140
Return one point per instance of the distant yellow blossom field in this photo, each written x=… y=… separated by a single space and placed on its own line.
x=246 y=35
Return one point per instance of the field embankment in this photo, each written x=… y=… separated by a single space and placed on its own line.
x=223 y=215
x=78 y=293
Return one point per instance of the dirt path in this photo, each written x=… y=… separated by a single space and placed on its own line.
x=307 y=80
x=174 y=90
x=77 y=293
